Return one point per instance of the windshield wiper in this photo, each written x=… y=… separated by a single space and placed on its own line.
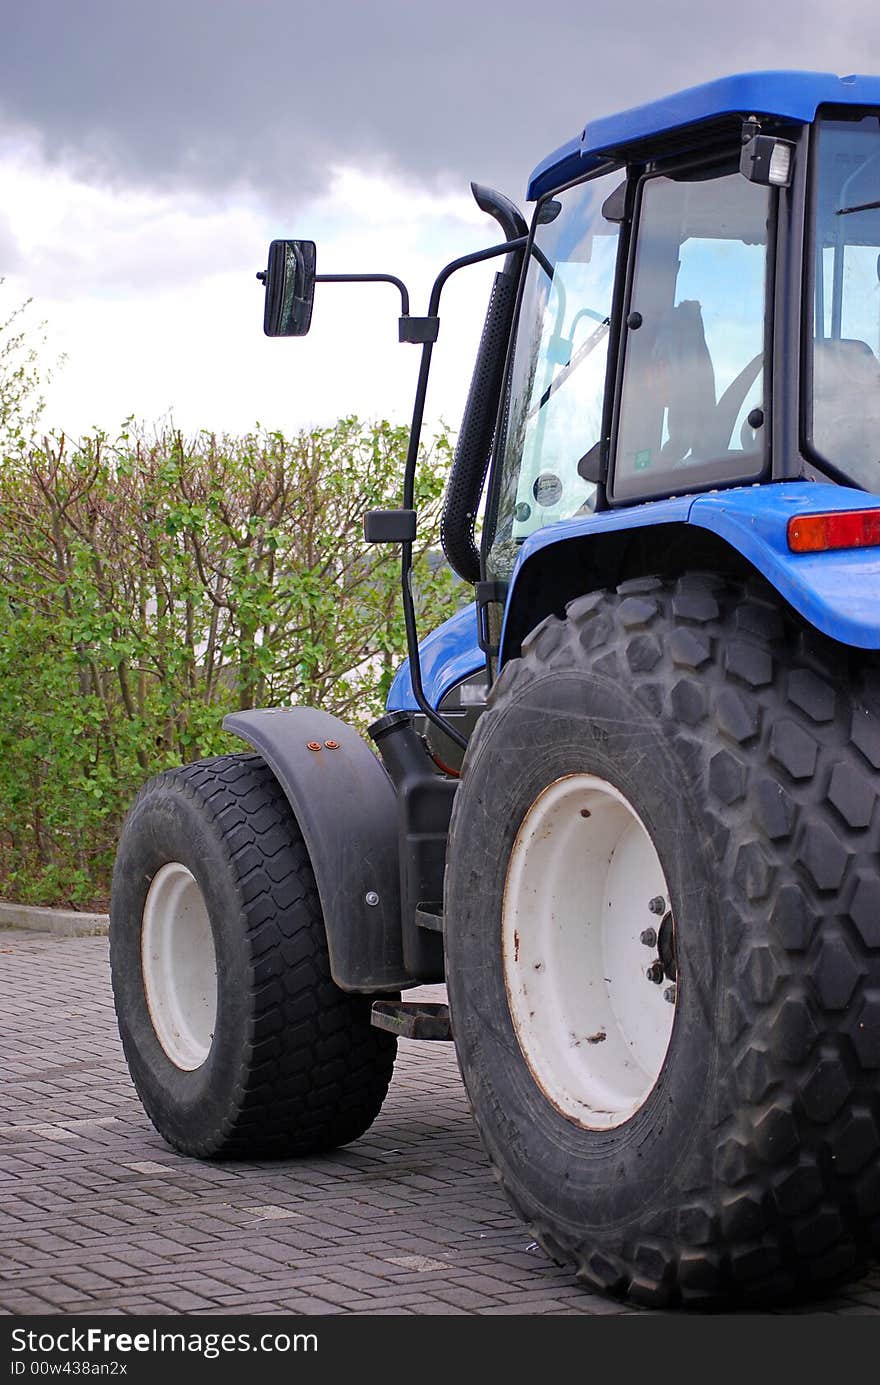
x=862 y=207
x=580 y=355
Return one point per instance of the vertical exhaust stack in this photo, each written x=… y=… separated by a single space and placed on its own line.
x=474 y=447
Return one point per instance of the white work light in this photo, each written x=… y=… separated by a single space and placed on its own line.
x=764 y=159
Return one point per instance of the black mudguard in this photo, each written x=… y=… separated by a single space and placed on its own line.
x=346 y=808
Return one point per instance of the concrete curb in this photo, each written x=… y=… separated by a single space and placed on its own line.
x=64 y=923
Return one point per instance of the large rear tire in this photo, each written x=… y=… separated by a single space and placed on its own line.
x=681 y=755
x=237 y=1038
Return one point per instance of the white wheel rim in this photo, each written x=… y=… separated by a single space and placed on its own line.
x=179 y=966
x=592 y=1027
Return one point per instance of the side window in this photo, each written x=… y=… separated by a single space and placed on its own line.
x=557 y=390
x=858 y=295
x=693 y=366
x=843 y=387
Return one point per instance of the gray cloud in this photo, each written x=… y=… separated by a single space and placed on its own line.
x=10 y=251
x=214 y=93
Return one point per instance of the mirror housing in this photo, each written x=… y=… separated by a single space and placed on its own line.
x=289 y=280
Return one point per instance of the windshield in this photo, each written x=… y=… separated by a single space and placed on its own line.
x=843 y=406
x=558 y=381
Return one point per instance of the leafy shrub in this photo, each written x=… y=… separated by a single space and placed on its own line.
x=21 y=379
x=149 y=585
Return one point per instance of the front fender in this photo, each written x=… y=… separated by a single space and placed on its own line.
x=346 y=809
x=837 y=592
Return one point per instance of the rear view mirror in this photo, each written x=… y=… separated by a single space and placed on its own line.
x=290 y=288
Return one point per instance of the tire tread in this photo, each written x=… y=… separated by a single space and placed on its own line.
x=784 y=728
x=317 y=1071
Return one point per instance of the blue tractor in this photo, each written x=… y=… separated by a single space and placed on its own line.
x=626 y=803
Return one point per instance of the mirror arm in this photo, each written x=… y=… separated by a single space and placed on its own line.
x=475 y=257
x=415 y=431
x=409 y=479
x=412 y=329
x=369 y=279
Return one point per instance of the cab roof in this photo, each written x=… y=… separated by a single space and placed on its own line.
x=792 y=96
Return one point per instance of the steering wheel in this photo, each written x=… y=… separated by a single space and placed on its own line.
x=728 y=407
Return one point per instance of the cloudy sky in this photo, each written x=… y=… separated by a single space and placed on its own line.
x=148 y=153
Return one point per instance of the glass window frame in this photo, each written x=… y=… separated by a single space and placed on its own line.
x=704 y=477
x=493 y=486
x=826 y=468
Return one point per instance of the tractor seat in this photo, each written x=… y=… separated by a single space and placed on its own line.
x=846 y=406
x=682 y=362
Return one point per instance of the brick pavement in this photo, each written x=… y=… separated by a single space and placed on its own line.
x=98 y=1215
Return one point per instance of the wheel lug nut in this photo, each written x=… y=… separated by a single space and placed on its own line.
x=657 y=905
x=669 y=994
x=655 y=973
x=649 y=937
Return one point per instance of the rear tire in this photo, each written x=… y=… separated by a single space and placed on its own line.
x=237 y=1039
x=747 y=746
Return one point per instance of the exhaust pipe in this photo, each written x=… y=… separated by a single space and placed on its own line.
x=474 y=447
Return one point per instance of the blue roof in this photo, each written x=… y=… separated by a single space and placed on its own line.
x=788 y=95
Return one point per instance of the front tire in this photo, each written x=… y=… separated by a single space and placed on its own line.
x=736 y=1156
x=237 y=1039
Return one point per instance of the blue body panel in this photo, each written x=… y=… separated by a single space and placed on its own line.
x=448 y=654
x=788 y=95
x=838 y=592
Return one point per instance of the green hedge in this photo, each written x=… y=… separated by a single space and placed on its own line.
x=149 y=585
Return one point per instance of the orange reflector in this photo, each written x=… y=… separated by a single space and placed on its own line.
x=841 y=529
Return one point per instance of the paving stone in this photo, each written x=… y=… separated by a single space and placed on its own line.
x=97 y=1215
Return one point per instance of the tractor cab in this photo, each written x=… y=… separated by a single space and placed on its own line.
x=699 y=311
x=700 y=305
